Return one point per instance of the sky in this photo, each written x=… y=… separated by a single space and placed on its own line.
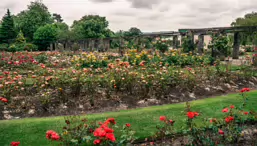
x=148 y=15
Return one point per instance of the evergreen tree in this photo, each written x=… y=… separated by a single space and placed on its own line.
x=7 y=30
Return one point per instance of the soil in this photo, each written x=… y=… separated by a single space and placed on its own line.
x=23 y=107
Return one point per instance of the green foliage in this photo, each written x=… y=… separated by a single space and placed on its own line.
x=57 y=18
x=161 y=45
x=20 y=38
x=42 y=58
x=133 y=31
x=30 y=47
x=13 y=48
x=249 y=19
x=249 y=49
x=63 y=31
x=220 y=44
x=3 y=47
x=45 y=35
x=7 y=31
x=30 y=20
x=188 y=44
x=91 y=26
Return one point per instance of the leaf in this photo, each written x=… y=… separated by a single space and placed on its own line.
x=29 y=81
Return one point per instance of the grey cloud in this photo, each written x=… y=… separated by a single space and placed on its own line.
x=101 y=1
x=147 y=4
x=155 y=16
x=124 y=13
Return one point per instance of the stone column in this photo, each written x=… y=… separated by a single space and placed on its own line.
x=106 y=44
x=236 y=46
x=92 y=45
x=200 y=44
x=84 y=45
x=175 y=42
x=101 y=45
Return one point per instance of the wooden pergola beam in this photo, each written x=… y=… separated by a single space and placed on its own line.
x=219 y=29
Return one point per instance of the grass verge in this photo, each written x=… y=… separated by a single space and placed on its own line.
x=31 y=131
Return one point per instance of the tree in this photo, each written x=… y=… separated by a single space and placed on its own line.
x=20 y=38
x=57 y=18
x=7 y=30
x=63 y=31
x=30 y=20
x=133 y=31
x=91 y=26
x=249 y=19
x=45 y=35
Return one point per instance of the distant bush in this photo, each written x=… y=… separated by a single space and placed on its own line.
x=3 y=47
x=30 y=47
x=12 y=48
x=41 y=58
x=249 y=49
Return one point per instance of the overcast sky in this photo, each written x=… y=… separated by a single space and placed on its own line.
x=148 y=15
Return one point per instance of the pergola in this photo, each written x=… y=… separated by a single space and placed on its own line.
x=206 y=31
x=104 y=43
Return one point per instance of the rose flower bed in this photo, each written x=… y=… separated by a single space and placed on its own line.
x=54 y=83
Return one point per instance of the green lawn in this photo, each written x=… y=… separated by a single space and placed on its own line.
x=31 y=131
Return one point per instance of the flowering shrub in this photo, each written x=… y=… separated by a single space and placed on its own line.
x=165 y=130
x=49 y=80
x=161 y=45
x=80 y=132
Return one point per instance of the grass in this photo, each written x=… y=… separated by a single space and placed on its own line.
x=31 y=131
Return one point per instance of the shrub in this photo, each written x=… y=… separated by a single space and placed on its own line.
x=44 y=36
x=3 y=47
x=30 y=47
x=161 y=45
x=41 y=58
x=221 y=45
x=12 y=48
x=249 y=49
x=188 y=44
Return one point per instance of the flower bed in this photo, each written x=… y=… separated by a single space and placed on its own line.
x=43 y=84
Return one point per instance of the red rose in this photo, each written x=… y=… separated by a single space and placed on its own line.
x=128 y=125
x=111 y=120
x=99 y=132
x=196 y=114
x=111 y=137
x=245 y=90
x=55 y=136
x=221 y=132
x=15 y=143
x=97 y=141
x=108 y=130
x=225 y=110
x=162 y=118
x=232 y=106
x=190 y=115
x=227 y=120
x=246 y=113
x=50 y=134
x=171 y=121
x=3 y=99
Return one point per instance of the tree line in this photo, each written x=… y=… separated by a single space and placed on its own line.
x=36 y=28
